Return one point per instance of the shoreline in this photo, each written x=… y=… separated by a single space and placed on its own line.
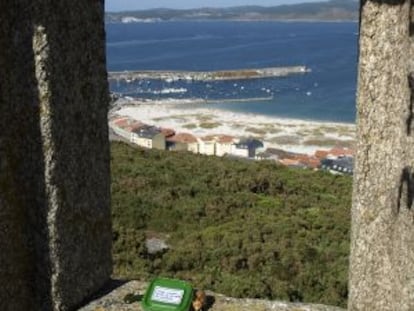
x=294 y=135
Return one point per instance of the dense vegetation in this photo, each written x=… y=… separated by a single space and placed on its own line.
x=241 y=228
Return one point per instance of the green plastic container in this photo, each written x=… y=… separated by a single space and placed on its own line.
x=167 y=295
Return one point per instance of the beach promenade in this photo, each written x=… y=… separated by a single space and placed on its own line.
x=299 y=136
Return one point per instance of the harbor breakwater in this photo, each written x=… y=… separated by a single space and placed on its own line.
x=220 y=75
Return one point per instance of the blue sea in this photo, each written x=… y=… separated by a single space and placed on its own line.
x=327 y=93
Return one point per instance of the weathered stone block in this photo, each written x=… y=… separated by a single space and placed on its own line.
x=55 y=227
x=382 y=247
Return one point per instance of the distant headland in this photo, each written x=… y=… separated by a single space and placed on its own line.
x=334 y=10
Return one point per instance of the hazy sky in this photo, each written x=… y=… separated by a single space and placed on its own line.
x=123 y=5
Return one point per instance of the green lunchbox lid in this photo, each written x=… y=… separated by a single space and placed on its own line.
x=167 y=295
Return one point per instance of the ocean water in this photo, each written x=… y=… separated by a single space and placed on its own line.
x=328 y=49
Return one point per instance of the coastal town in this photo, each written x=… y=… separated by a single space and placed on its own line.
x=337 y=160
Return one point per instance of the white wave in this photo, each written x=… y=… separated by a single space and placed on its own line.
x=131 y=19
x=171 y=91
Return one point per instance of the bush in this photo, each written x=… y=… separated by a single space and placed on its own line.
x=245 y=229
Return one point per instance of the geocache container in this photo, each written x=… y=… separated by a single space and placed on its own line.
x=167 y=295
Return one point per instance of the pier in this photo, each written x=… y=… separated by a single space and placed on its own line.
x=220 y=75
x=234 y=100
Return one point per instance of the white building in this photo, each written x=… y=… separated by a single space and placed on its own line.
x=148 y=137
x=246 y=148
x=124 y=126
x=207 y=145
x=183 y=142
x=224 y=144
x=239 y=151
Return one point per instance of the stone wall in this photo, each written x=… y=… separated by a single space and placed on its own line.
x=115 y=301
x=55 y=228
x=382 y=247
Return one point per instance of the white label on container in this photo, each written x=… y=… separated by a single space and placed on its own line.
x=167 y=295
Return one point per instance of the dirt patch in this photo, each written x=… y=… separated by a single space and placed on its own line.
x=329 y=142
x=209 y=125
x=285 y=140
x=256 y=130
x=190 y=126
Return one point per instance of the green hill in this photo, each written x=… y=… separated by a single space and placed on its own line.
x=242 y=228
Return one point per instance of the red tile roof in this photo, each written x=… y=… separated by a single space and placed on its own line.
x=223 y=139
x=208 y=138
x=167 y=132
x=121 y=121
x=312 y=162
x=341 y=152
x=321 y=154
x=116 y=117
x=309 y=161
x=183 y=138
x=127 y=124
x=301 y=157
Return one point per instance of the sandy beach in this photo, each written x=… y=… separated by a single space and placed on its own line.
x=289 y=134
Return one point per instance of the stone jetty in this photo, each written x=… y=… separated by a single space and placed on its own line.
x=239 y=74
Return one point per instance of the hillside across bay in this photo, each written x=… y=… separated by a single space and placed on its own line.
x=321 y=11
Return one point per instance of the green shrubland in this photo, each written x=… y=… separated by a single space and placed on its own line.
x=238 y=227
